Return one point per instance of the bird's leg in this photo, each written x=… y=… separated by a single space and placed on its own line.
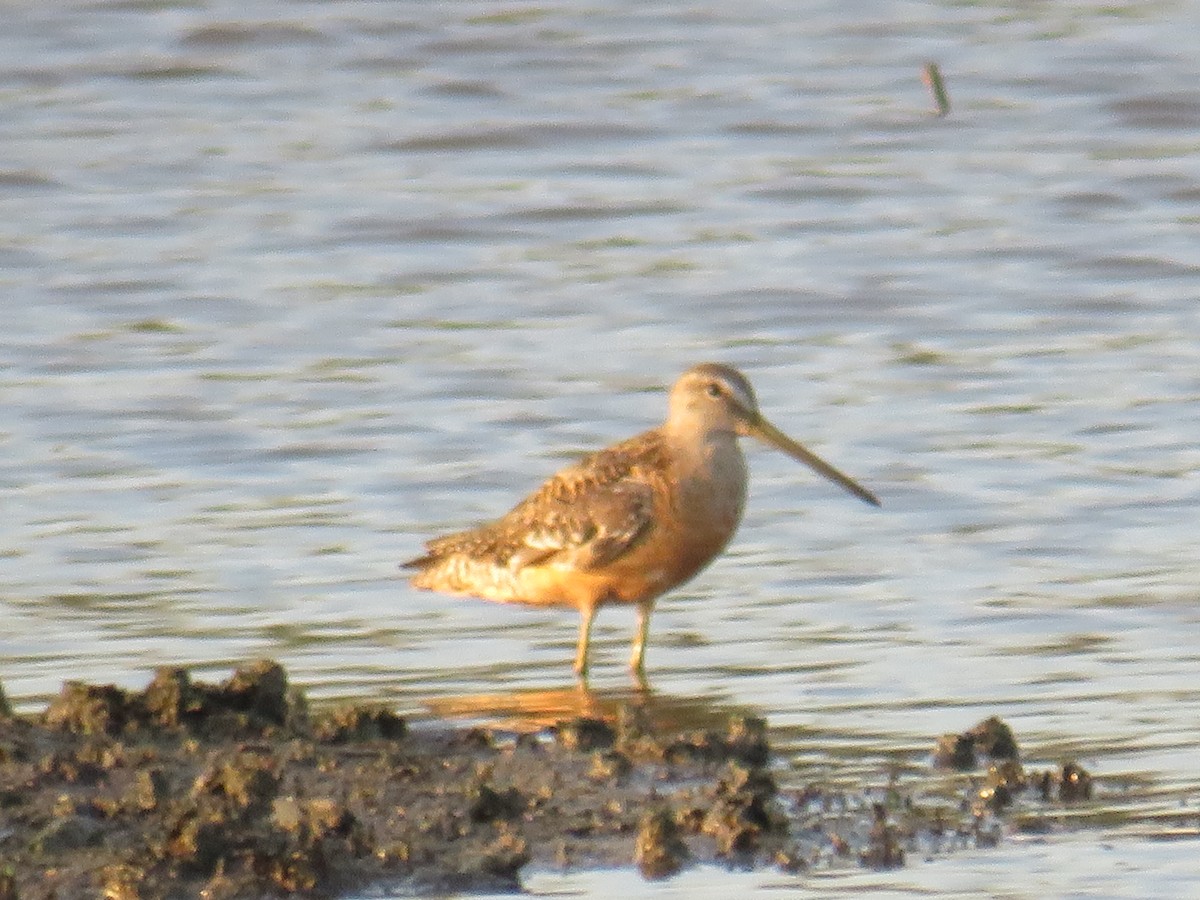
x=637 y=662
x=586 y=615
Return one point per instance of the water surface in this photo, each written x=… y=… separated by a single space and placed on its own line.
x=291 y=288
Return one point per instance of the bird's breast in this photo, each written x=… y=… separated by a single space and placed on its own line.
x=706 y=498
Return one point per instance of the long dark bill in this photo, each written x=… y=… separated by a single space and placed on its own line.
x=769 y=434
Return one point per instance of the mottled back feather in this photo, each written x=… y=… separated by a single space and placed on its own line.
x=584 y=517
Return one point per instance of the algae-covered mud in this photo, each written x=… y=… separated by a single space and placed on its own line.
x=238 y=789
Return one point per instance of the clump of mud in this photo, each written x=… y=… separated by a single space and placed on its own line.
x=254 y=702
x=238 y=790
x=991 y=738
x=992 y=742
x=659 y=851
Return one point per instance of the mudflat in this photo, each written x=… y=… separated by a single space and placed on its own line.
x=239 y=789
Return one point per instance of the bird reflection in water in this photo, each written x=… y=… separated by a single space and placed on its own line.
x=529 y=711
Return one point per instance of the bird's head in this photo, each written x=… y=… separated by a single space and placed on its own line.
x=713 y=399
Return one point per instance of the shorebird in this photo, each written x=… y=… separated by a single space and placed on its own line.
x=628 y=523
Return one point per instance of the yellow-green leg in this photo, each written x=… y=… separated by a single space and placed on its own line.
x=586 y=615
x=637 y=662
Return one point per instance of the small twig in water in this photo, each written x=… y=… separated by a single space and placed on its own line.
x=932 y=77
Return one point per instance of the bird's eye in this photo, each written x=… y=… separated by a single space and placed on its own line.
x=713 y=389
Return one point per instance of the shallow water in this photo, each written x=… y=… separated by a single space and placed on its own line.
x=290 y=291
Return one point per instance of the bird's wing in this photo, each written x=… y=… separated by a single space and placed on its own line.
x=596 y=526
x=584 y=517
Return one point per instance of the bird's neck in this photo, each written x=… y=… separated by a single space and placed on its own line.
x=711 y=473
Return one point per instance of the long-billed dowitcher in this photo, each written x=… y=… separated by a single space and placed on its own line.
x=628 y=523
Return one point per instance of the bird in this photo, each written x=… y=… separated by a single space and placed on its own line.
x=628 y=523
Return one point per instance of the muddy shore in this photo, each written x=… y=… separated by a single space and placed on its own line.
x=238 y=789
